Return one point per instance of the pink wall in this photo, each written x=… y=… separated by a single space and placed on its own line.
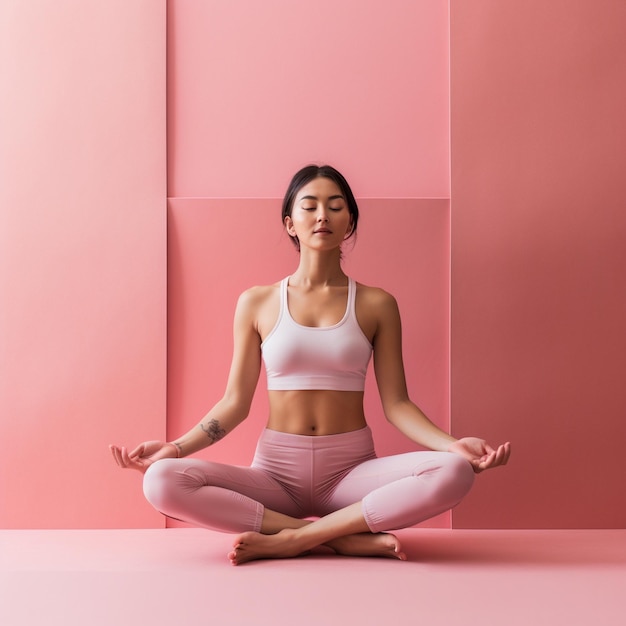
x=206 y=276
x=537 y=229
x=82 y=257
x=256 y=90
x=83 y=223
x=539 y=257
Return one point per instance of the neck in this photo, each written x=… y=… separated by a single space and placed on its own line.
x=319 y=269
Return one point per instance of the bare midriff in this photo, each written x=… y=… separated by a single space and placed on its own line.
x=316 y=412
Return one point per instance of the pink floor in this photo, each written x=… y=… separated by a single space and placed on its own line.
x=181 y=577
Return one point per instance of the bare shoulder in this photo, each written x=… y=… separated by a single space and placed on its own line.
x=258 y=295
x=260 y=306
x=376 y=309
x=376 y=299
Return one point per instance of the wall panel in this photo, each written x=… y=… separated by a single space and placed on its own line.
x=258 y=89
x=538 y=257
x=219 y=247
x=82 y=257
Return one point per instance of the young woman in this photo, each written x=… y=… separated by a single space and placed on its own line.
x=315 y=331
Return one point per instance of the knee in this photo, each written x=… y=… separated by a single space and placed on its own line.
x=459 y=476
x=158 y=483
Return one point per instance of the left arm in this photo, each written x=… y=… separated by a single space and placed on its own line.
x=400 y=411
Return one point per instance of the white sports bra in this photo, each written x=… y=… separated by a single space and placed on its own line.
x=327 y=357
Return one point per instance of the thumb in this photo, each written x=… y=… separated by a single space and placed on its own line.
x=138 y=451
x=488 y=448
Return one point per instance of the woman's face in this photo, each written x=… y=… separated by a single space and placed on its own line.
x=320 y=217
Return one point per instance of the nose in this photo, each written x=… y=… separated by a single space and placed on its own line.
x=322 y=215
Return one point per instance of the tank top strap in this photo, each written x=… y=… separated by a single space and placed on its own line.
x=351 y=297
x=283 y=297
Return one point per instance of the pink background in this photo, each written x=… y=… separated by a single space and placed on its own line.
x=203 y=289
x=539 y=257
x=257 y=89
x=524 y=100
x=82 y=257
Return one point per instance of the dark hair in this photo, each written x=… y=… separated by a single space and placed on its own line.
x=304 y=177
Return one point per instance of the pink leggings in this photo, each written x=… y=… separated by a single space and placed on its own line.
x=304 y=476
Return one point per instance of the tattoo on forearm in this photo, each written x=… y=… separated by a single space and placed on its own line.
x=213 y=430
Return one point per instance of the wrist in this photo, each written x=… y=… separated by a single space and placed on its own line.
x=450 y=445
x=177 y=448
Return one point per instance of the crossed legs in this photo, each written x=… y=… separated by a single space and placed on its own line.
x=345 y=531
x=376 y=496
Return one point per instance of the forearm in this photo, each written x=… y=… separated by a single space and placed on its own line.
x=213 y=427
x=411 y=422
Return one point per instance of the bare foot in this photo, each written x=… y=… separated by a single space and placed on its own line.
x=250 y=546
x=283 y=545
x=368 y=544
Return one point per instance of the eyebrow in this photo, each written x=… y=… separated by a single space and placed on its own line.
x=335 y=197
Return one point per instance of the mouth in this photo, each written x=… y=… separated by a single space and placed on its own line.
x=323 y=230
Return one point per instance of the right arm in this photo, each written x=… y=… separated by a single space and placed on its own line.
x=229 y=412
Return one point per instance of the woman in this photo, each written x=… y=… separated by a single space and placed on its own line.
x=316 y=331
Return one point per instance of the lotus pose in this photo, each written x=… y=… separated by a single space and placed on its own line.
x=315 y=331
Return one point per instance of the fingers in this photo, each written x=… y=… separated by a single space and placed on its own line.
x=485 y=462
x=122 y=458
x=120 y=455
x=507 y=452
x=138 y=451
x=117 y=455
x=488 y=449
x=496 y=457
x=502 y=455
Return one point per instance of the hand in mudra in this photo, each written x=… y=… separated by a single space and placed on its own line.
x=144 y=455
x=480 y=454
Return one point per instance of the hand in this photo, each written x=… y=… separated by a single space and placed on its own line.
x=480 y=454
x=144 y=455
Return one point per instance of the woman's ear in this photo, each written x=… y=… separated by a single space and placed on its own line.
x=289 y=226
x=350 y=229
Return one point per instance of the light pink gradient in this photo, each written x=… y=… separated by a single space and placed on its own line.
x=82 y=257
x=259 y=89
x=520 y=577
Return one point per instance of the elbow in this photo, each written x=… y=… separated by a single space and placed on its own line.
x=237 y=406
x=395 y=409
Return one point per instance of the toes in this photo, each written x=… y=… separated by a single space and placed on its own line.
x=232 y=557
